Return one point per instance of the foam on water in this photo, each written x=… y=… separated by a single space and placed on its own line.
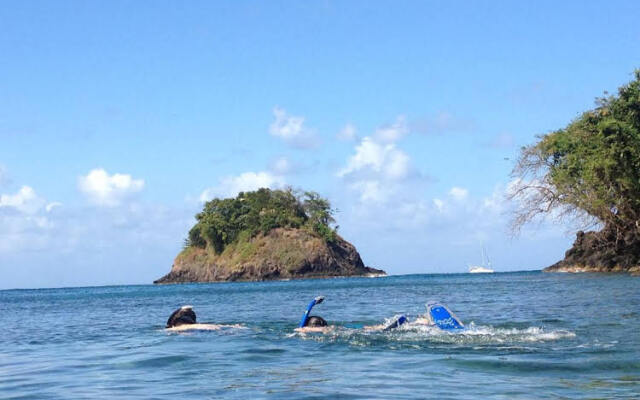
x=203 y=327
x=421 y=335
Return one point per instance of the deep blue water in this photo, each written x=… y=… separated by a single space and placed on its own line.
x=531 y=335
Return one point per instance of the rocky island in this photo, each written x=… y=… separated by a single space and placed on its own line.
x=599 y=251
x=589 y=171
x=265 y=235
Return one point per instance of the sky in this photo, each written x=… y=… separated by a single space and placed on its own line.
x=119 y=118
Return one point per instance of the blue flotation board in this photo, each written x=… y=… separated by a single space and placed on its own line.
x=305 y=316
x=442 y=317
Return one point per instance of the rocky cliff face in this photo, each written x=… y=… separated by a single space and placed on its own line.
x=281 y=254
x=603 y=251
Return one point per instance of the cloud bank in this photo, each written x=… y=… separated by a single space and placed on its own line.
x=378 y=167
x=25 y=200
x=230 y=186
x=291 y=130
x=107 y=190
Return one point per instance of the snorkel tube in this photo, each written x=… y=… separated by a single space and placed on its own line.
x=305 y=316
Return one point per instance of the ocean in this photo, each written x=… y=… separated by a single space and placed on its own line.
x=530 y=335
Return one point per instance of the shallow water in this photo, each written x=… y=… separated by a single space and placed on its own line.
x=530 y=335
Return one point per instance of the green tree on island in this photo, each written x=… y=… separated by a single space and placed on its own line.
x=589 y=170
x=224 y=221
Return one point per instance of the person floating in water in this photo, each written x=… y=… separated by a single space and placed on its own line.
x=184 y=318
x=437 y=315
x=313 y=323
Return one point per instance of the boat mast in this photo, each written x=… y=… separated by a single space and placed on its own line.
x=485 y=258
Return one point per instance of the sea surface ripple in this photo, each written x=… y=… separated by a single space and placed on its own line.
x=530 y=335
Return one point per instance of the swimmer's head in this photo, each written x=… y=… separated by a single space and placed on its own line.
x=316 y=322
x=182 y=316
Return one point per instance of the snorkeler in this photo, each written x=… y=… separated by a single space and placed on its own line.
x=313 y=323
x=437 y=315
x=184 y=318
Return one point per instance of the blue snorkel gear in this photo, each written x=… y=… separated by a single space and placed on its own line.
x=305 y=316
x=395 y=323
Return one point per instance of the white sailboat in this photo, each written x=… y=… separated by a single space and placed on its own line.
x=485 y=268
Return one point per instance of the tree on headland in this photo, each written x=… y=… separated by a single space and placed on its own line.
x=224 y=221
x=589 y=170
x=319 y=214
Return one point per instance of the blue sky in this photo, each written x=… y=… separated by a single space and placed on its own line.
x=118 y=118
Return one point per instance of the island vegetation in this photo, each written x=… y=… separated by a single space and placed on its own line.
x=226 y=221
x=266 y=234
x=589 y=172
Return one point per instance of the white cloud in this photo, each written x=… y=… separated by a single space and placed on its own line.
x=286 y=126
x=24 y=223
x=379 y=170
x=458 y=193
x=496 y=202
x=439 y=204
x=392 y=133
x=52 y=247
x=371 y=191
x=52 y=205
x=230 y=186
x=454 y=217
x=281 y=166
x=108 y=190
x=348 y=133
x=291 y=129
x=398 y=164
x=385 y=160
x=25 y=200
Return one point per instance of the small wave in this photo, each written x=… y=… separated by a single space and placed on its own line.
x=472 y=336
x=155 y=362
x=530 y=334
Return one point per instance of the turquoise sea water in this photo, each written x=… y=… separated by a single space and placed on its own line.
x=531 y=335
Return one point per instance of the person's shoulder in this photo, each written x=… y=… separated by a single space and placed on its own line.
x=190 y=327
x=312 y=329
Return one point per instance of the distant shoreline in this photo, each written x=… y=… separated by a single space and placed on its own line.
x=274 y=281
x=321 y=278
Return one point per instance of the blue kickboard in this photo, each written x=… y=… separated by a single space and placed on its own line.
x=443 y=318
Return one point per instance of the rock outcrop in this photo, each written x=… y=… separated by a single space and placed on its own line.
x=604 y=251
x=283 y=253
